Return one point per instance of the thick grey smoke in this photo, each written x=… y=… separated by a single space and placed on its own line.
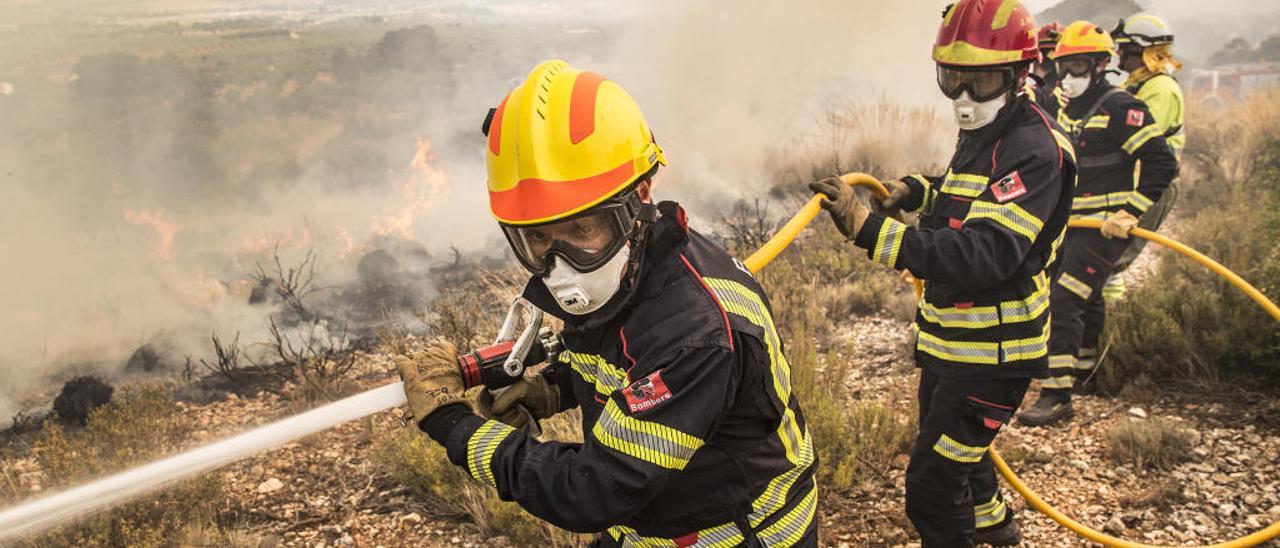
x=147 y=168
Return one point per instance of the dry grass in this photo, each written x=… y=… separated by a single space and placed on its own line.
x=140 y=426
x=1152 y=443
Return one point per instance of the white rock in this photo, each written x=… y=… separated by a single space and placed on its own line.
x=1138 y=412
x=270 y=486
x=1226 y=510
x=412 y=518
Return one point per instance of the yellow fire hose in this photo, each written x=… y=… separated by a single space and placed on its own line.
x=801 y=219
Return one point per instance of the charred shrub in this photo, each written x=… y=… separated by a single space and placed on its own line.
x=79 y=397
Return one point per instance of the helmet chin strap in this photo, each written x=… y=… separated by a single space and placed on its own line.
x=647 y=215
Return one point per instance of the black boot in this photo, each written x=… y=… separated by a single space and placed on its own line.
x=1086 y=367
x=1053 y=406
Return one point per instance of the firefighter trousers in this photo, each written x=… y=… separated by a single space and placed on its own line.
x=1086 y=260
x=951 y=482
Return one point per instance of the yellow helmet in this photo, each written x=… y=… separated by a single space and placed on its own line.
x=1083 y=37
x=563 y=141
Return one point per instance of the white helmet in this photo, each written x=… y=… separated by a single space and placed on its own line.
x=1143 y=29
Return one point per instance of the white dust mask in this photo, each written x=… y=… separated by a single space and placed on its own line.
x=585 y=292
x=1075 y=86
x=972 y=115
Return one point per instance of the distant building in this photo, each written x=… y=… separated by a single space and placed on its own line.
x=1234 y=81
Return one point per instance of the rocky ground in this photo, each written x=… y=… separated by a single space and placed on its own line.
x=326 y=490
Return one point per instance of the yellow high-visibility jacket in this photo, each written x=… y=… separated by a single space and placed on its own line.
x=1163 y=96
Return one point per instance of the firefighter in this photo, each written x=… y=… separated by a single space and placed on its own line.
x=987 y=231
x=1043 y=83
x=1146 y=43
x=1125 y=166
x=692 y=434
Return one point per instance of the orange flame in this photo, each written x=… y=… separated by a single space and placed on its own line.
x=164 y=228
x=422 y=189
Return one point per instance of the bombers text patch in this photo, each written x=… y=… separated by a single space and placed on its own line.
x=1008 y=188
x=647 y=393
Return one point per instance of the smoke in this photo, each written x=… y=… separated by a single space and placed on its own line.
x=726 y=83
x=143 y=184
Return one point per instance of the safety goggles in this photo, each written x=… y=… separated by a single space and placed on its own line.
x=1077 y=65
x=585 y=241
x=982 y=83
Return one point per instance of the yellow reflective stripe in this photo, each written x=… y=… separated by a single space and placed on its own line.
x=1140 y=138
x=737 y=299
x=977 y=317
x=989 y=514
x=1062 y=361
x=1001 y=18
x=720 y=536
x=595 y=370
x=1140 y=202
x=648 y=441
x=889 y=243
x=1074 y=285
x=1111 y=199
x=774 y=497
x=480 y=448
x=983 y=353
x=1030 y=348
x=1100 y=121
x=964 y=53
x=929 y=192
x=957 y=451
x=964 y=184
x=1011 y=216
x=1029 y=308
x=1059 y=382
x=788 y=530
x=1064 y=143
x=1095 y=216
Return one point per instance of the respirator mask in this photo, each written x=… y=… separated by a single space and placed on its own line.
x=977 y=93
x=1077 y=75
x=581 y=259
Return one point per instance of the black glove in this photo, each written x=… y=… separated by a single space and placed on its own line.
x=849 y=207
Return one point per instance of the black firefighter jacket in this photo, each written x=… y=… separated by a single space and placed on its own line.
x=988 y=230
x=693 y=436
x=1125 y=161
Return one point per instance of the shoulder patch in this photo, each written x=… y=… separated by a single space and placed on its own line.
x=1136 y=117
x=1008 y=188
x=647 y=393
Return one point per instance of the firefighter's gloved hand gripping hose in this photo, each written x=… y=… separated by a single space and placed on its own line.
x=496 y=367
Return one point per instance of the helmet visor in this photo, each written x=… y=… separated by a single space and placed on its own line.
x=586 y=241
x=982 y=83
x=1078 y=65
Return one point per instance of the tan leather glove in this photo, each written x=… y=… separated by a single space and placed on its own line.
x=431 y=378
x=1118 y=224
x=537 y=394
x=849 y=207
x=899 y=193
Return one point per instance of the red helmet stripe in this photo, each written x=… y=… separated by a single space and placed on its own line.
x=582 y=106
x=535 y=200
x=495 y=127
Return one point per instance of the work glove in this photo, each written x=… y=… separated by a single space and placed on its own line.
x=892 y=206
x=535 y=393
x=849 y=207
x=431 y=379
x=1118 y=224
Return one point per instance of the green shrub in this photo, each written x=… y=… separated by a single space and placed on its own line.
x=141 y=426
x=1185 y=322
x=1153 y=443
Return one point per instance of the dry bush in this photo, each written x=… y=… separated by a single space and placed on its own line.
x=142 y=425
x=319 y=360
x=413 y=459
x=1153 y=443
x=1185 y=322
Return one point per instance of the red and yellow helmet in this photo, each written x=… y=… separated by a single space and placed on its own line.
x=978 y=33
x=563 y=141
x=1083 y=37
x=1049 y=34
